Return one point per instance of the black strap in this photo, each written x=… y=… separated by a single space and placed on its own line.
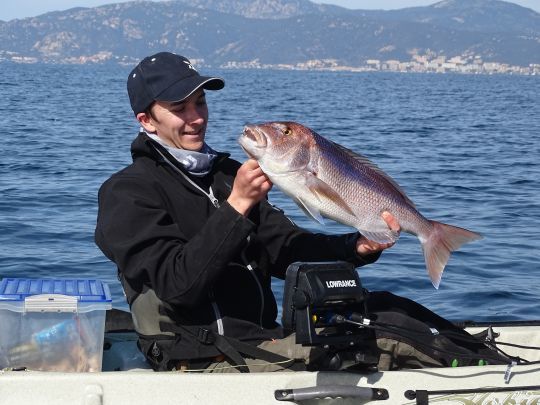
x=208 y=338
x=265 y=355
x=232 y=348
x=233 y=355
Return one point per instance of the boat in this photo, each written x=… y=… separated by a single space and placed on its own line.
x=126 y=379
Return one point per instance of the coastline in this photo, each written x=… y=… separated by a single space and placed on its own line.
x=417 y=64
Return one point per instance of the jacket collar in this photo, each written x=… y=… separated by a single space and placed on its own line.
x=144 y=146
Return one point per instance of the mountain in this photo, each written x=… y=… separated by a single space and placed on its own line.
x=487 y=16
x=260 y=9
x=218 y=32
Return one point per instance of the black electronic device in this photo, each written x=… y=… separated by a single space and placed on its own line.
x=324 y=304
x=318 y=297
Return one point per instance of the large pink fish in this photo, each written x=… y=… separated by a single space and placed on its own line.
x=328 y=180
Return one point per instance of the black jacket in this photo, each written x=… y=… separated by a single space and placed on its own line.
x=164 y=234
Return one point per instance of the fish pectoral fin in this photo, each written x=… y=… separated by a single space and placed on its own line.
x=310 y=211
x=388 y=236
x=322 y=191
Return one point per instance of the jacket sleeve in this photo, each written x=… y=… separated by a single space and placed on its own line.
x=286 y=243
x=136 y=232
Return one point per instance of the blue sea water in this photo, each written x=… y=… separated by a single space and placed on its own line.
x=464 y=147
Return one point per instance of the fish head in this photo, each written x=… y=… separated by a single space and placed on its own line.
x=279 y=147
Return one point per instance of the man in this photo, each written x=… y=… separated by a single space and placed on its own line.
x=195 y=240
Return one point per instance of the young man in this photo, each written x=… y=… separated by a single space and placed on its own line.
x=195 y=240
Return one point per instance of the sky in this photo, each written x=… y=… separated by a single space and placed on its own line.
x=12 y=9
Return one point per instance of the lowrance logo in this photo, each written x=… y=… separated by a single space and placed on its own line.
x=341 y=283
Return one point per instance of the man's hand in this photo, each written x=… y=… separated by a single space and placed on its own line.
x=250 y=186
x=365 y=247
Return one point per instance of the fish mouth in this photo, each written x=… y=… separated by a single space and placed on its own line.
x=254 y=134
x=253 y=141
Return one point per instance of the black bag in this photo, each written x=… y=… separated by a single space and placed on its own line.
x=411 y=336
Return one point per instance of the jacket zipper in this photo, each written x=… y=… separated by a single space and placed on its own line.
x=252 y=272
x=217 y=313
x=215 y=202
x=209 y=194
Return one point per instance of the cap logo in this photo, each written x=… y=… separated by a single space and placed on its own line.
x=189 y=65
x=166 y=77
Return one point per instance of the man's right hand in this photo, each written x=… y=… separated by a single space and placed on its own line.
x=250 y=186
x=365 y=247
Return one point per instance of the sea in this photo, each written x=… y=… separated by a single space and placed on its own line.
x=465 y=148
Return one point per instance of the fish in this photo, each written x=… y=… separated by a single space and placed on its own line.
x=327 y=180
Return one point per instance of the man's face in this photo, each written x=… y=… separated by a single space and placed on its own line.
x=182 y=125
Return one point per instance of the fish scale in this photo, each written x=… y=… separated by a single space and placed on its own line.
x=373 y=200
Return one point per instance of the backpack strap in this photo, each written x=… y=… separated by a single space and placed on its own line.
x=232 y=348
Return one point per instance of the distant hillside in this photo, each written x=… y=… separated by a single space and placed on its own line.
x=260 y=9
x=487 y=16
x=275 y=31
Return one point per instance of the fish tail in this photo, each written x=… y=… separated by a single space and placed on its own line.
x=441 y=241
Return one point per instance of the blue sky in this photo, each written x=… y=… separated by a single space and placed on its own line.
x=29 y=8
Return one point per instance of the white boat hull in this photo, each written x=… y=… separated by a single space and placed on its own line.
x=136 y=385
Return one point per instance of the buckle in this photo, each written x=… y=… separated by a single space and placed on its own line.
x=205 y=336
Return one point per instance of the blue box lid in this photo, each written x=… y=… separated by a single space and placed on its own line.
x=84 y=290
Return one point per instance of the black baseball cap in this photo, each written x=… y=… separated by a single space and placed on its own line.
x=168 y=77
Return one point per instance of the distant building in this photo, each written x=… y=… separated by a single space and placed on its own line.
x=374 y=64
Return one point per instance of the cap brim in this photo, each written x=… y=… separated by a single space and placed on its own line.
x=182 y=89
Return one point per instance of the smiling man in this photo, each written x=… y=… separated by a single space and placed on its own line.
x=194 y=254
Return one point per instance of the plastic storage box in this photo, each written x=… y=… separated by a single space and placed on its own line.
x=52 y=325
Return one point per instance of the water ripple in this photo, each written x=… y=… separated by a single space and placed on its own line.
x=465 y=149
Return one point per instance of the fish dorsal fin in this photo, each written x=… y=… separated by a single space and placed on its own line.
x=368 y=163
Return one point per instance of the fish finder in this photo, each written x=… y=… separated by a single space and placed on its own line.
x=318 y=297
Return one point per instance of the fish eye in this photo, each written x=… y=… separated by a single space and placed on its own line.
x=287 y=131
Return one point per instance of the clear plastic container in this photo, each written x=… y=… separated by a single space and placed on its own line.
x=53 y=325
